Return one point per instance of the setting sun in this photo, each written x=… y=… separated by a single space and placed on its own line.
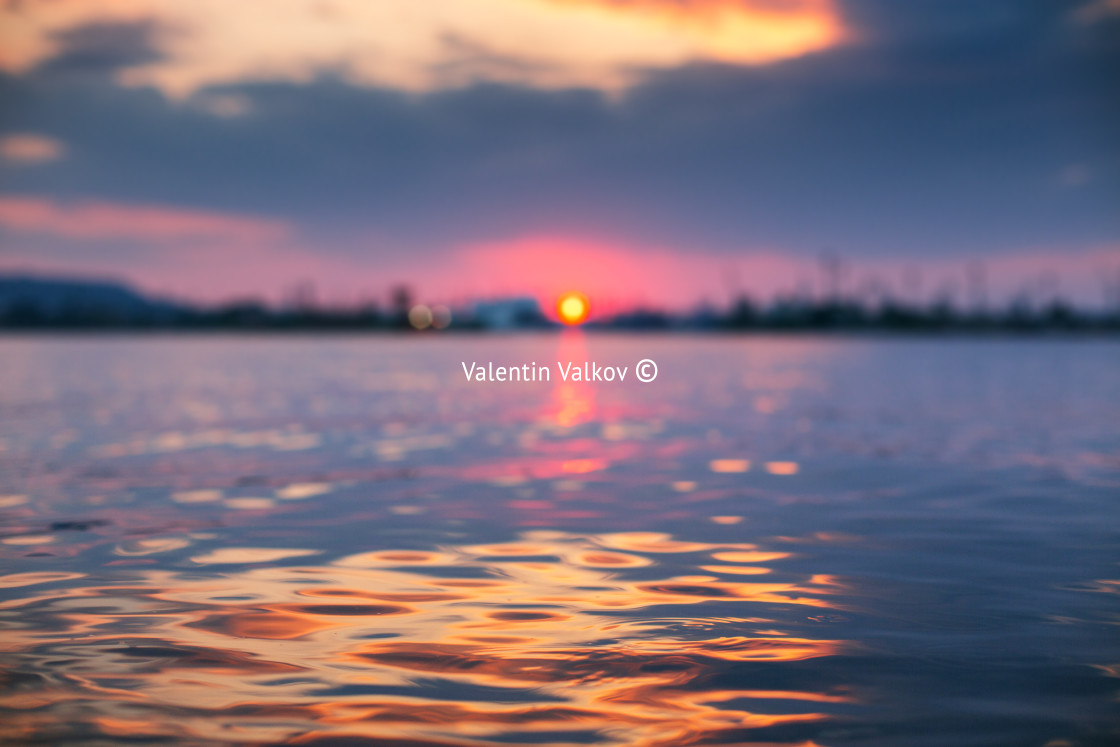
x=572 y=308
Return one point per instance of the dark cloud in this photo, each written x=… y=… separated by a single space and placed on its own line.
x=944 y=130
x=101 y=48
x=941 y=20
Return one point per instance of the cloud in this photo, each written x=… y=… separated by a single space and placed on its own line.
x=867 y=149
x=420 y=46
x=31 y=148
x=98 y=46
x=864 y=150
x=940 y=131
x=1098 y=10
x=100 y=220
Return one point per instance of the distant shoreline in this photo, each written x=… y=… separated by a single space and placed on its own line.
x=860 y=334
x=43 y=306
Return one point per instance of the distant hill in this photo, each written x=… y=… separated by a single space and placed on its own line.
x=27 y=299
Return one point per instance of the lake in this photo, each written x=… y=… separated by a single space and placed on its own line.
x=343 y=540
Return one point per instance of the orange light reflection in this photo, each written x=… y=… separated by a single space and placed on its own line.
x=570 y=623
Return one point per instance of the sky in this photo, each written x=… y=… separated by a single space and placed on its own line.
x=655 y=153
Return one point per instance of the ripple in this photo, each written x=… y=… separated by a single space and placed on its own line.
x=29 y=539
x=352 y=610
x=151 y=546
x=13 y=580
x=299 y=491
x=555 y=631
x=235 y=555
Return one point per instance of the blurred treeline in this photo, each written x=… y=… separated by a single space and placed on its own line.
x=39 y=304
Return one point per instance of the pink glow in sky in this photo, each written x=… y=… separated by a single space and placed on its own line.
x=102 y=220
x=214 y=257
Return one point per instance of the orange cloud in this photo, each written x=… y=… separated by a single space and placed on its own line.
x=740 y=31
x=422 y=46
x=102 y=220
x=30 y=148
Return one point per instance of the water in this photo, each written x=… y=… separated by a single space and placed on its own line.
x=778 y=541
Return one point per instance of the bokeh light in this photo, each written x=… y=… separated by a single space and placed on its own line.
x=420 y=316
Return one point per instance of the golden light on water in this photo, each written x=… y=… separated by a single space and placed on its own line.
x=729 y=465
x=783 y=468
x=556 y=627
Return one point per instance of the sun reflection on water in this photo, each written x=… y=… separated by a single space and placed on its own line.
x=557 y=634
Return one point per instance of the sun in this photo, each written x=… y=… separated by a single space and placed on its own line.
x=572 y=308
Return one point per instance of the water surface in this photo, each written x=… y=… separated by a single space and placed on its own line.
x=778 y=541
